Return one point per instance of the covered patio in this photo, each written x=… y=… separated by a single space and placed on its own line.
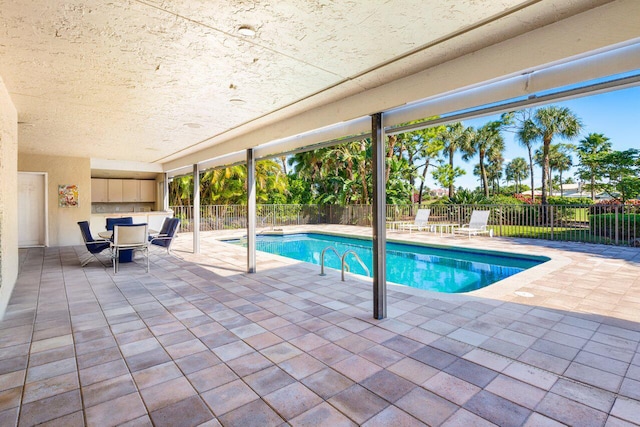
x=226 y=336
x=200 y=342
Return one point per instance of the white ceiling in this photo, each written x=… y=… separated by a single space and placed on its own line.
x=154 y=80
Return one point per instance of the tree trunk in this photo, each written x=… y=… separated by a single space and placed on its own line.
x=424 y=176
x=593 y=188
x=545 y=168
x=363 y=175
x=483 y=175
x=451 y=164
x=392 y=142
x=561 y=186
x=533 y=197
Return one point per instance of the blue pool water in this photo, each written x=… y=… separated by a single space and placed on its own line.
x=423 y=267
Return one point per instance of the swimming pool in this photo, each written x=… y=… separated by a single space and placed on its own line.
x=419 y=266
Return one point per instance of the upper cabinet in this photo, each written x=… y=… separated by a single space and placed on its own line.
x=122 y=190
x=115 y=190
x=147 y=191
x=130 y=190
x=99 y=190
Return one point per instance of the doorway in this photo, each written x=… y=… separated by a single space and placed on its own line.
x=32 y=209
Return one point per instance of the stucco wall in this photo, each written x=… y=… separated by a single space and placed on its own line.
x=8 y=197
x=63 y=227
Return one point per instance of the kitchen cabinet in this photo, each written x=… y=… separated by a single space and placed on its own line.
x=130 y=190
x=99 y=190
x=122 y=190
x=147 y=191
x=115 y=191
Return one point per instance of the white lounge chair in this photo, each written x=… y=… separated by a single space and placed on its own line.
x=420 y=222
x=477 y=224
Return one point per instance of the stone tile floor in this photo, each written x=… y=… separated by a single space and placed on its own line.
x=199 y=342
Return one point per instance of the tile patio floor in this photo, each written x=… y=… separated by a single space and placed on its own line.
x=199 y=342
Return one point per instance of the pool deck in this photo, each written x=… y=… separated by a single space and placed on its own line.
x=200 y=342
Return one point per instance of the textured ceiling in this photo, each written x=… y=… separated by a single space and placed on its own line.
x=148 y=80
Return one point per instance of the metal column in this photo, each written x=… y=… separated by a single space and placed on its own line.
x=251 y=212
x=196 y=209
x=165 y=193
x=379 y=218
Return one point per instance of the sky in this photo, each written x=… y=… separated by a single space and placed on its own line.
x=615 y=114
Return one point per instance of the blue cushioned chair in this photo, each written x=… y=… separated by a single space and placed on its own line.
x=93 y=246
x=168 y=231
x=127 y=220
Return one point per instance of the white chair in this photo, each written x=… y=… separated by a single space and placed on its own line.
x=129 y=237
x=477 y=224
x=419 y=223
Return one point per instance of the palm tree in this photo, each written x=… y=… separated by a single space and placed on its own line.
x=546 y=124
x=429 y=149
x=560 y=160
x=224 y=185
x=590 y=149
x=421 y=146
x=481 y=142
x=269 y=180
x=180 y=190
x=495 y=163
x=453 y=138
x=517 y=170
x=520 y=123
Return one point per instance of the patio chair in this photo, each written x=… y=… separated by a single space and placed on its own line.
x=477 y=225
x=125 y=256
x=166 y=235
x=111 y=222
x=420 y=222
x=130 y=237
x=93 y=246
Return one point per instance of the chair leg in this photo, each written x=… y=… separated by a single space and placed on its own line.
x=86 y=261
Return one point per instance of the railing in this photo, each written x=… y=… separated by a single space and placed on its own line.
x=343 y=261
x=344 y=265
x=608 y=224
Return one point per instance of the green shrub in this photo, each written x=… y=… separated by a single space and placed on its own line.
x=502 y=199
x=466 y=197
x=564 y=201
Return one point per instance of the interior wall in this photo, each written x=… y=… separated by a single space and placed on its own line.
x=63 y=227
x=8 y=197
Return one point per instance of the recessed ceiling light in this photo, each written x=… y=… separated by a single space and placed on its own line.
x=247 y=30
x=193 y=125
x=237 y=101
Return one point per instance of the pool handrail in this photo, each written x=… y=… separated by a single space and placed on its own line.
x=344 y=256
x=335 y=251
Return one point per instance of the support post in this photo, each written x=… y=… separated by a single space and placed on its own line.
x=379 y=218
x=196 y=209
x=165 y=192
x=251 y=212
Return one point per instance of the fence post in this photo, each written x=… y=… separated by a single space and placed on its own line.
x=616 y=223
x=551 y=219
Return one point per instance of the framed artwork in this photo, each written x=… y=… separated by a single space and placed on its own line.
x=68 y=196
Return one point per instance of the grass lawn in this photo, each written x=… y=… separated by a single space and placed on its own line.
x=559 y=233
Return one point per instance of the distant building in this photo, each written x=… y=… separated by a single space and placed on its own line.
x=576 y=190
x=438 y=192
